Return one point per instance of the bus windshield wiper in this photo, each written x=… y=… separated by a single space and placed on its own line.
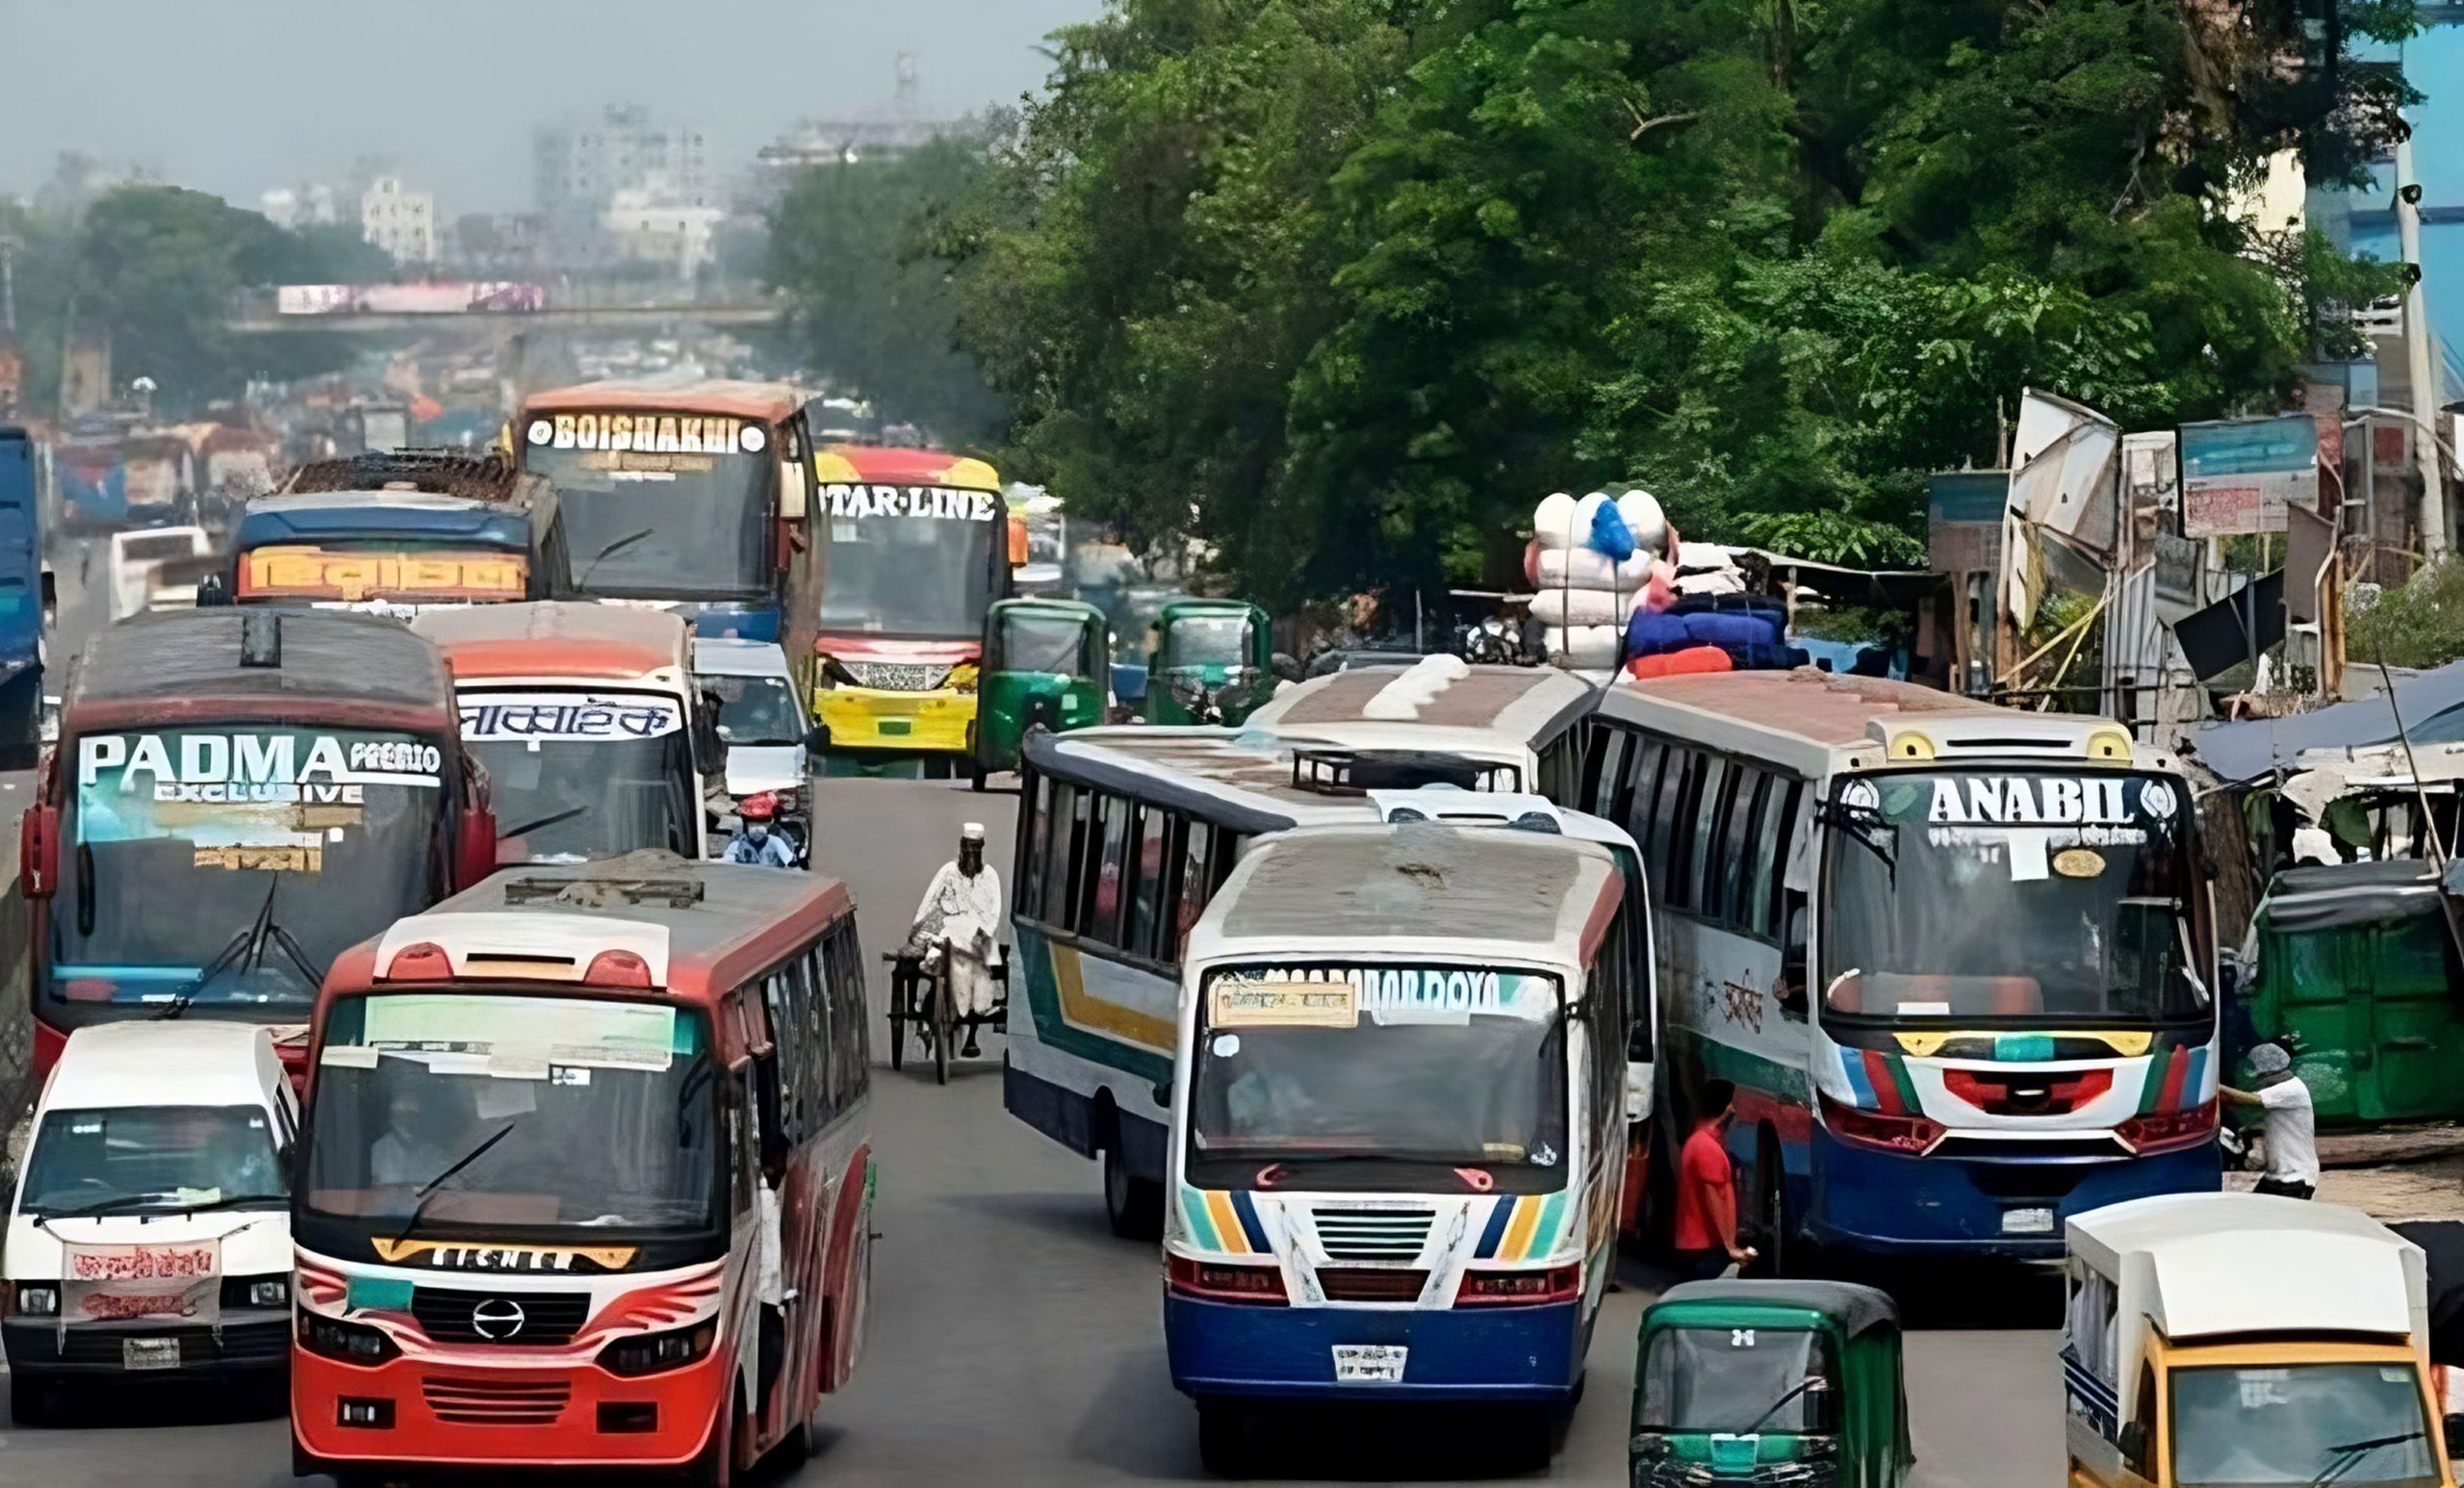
x=429 y=1189
x=609 y=551
x=2350 y=1454
x=243 y=944
x=1864 y=826
x=549 y=820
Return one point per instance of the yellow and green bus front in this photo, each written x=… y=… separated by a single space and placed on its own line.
x=909 y=548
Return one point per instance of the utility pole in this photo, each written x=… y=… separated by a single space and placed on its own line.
x=9 y=244
x=2417 y=333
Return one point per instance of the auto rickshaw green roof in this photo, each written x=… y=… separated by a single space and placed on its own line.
x=1856 y=1310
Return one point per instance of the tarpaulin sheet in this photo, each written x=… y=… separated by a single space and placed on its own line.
x=2246 y=750
x=2352 y=894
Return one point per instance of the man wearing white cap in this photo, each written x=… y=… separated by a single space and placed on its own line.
x=2291 y=1122
x=962 y=911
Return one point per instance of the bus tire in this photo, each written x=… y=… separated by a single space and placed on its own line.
x=1771 y=1207
x=715 y=1466
x=1225 y=1444
x=30 y=1403
x=1134 y=1205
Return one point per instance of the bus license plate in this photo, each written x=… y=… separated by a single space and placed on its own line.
x=1369 y=1364
x=2027 y=1221
x=149 y=1354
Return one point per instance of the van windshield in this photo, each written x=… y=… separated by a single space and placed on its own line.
x=148 y=1158
x=2351 y=1424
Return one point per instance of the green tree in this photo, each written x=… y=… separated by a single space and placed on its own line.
x=869 y=309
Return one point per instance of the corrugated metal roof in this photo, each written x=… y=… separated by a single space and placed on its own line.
x=736 y=902
x=1427 y=881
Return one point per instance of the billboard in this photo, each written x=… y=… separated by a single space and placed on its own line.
x=482 y=296
x=2239 y=475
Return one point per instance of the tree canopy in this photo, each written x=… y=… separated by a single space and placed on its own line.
x=1343 y=286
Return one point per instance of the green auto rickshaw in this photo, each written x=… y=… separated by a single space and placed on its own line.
x=1755 y=1382
x=1213 y=663
x=1044 y=662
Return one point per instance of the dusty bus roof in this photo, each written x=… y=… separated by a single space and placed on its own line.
x=359 y=515
x=1244 y=779
x=700 y=926
x=1436 y=692
x=555 y=639
x=766 y=401
x=1839 y=715
x=335 y=669
x=1411 y=885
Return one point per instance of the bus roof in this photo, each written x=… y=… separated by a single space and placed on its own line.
x=328 y=668
x=557 y=638
x=1416 y=886
x=1245 y=781
x=891 y=465
x=697 y=927
x=770 y=402
x=353 y=515
x=1435 y=692
x=1816 y=721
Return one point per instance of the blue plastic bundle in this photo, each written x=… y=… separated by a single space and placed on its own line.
x=1610 y=534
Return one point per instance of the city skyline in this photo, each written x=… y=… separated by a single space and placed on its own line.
x=280 y=112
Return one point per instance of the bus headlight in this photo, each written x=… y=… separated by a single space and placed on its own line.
x=652 y=1353
x=351 y=1343
x=2162 y=1130
x=1912 y=1136
x=38 y=1300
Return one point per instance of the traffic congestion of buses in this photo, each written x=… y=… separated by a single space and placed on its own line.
x=451 y=1009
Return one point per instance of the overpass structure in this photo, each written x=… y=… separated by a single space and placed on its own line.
x=255 y=321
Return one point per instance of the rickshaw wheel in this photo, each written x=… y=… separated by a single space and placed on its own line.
x=902 y=1002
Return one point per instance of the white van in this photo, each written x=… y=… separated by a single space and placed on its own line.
x=147 y=572
x=150 y=1232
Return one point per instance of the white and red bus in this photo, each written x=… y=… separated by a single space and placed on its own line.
x=542 y=1119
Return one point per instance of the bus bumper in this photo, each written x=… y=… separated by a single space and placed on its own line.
x=1887 y=1203
x=461 y=1413
x=907 y=723
x=1479 y=1353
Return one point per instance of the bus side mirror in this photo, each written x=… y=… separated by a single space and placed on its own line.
x=38 y=850
x=475 y=849
x=816 y=739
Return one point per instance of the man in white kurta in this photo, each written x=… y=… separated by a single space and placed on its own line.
x=961 y=910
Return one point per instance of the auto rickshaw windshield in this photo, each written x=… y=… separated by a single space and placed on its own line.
x=1209 y=640
x=1728 y=1379
x=1033 y=642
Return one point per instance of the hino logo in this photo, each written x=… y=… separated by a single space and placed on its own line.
x=497 y=1320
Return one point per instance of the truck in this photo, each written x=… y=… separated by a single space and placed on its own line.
x=2244 y=1338
x=27 y=598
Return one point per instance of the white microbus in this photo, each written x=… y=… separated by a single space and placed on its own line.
x=1958 y=961
x=1124 y=836
x=1398 y=1121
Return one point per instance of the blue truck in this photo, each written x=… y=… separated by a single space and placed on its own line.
x=26 y=597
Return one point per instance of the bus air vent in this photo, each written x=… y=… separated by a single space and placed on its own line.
x=261 y=638
x=1355 y=772
x=1373 y=1234
x=674 y=894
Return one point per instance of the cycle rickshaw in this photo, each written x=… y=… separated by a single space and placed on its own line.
x=920 y=1003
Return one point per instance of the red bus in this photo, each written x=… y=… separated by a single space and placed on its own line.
x=236 y=797
x=546 y=1120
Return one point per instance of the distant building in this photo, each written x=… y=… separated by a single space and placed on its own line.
x=643 y=226
x=578 y=168
x=403 y=223
x=875 y=132
x=497 y=243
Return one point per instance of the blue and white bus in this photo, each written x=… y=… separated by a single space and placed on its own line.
x=1399 y=1124
x=1124 y=835
x=1958 y=961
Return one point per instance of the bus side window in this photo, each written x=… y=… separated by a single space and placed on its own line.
x=1699 y=889
x=1035 y=826
x=1791 y=992
x=744 y=1161
x=1753 y=789
x=1106 y=875
x=1763 y=868
x=1607 y=760
x=1143 y=930
x=1069 y=818
x=1642 y=798
x=775 y=1072
x=1559 y=767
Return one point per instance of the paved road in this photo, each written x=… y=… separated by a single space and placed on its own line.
x=1014 y=1339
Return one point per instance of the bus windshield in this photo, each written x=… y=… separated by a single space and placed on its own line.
x=2011 y=896
x=903 y=573
x=1378 y=1077
x=515 y=1111
x=650 y=526
x=583 y=774
x=228 y=866
x=2346 y=1424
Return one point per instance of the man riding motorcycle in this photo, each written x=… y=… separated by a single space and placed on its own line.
x=753 y=841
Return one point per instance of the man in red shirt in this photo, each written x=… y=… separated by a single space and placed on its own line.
x=1706 y=1228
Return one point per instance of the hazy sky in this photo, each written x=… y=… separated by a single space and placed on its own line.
x=233 y=96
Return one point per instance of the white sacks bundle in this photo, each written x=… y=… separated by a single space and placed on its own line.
x=1591 y=562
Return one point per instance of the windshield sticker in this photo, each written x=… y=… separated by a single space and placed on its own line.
x=513 y=717
x=2078 y=863
x=2027 y=856
x=947 y=503
x=348 y=1056
x=1282 y=1002
x=653 y=433
x=482 y=1030
x=355 y=576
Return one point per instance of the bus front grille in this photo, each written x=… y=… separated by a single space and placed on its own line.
x=1371 y=1284
x=1373 y=1234
x=494 y=1402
